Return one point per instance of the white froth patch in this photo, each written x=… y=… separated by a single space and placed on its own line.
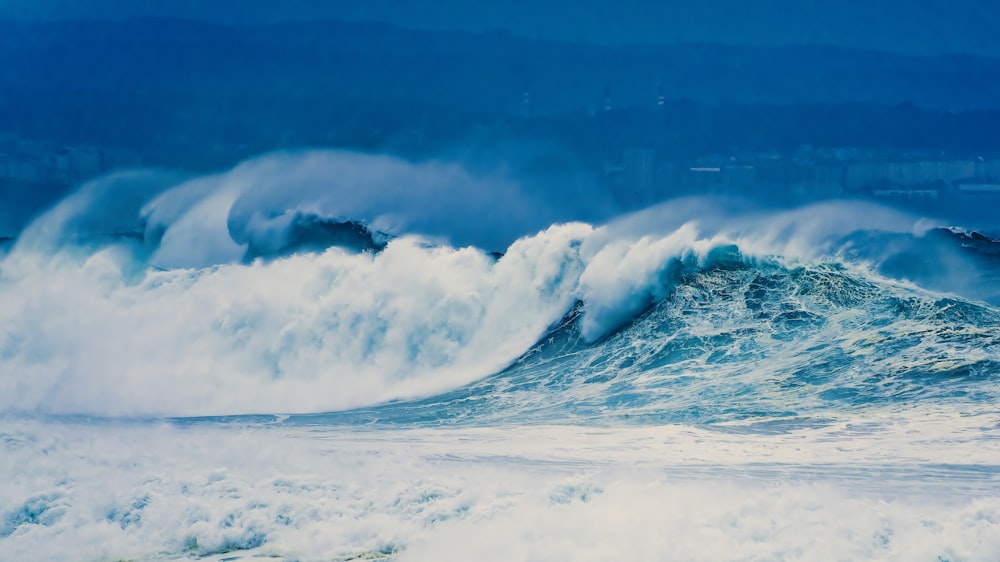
x=910 y=489
x=660 y=520
x=623 y=276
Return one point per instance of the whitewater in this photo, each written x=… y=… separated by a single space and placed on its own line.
x=328 y=355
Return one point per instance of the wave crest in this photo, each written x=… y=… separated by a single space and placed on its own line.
x=138 y=296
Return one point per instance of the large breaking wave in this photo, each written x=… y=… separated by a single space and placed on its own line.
x=323 y=281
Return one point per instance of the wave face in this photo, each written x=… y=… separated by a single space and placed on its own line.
x=736 y=343
x=335 y=356
x=146 y=294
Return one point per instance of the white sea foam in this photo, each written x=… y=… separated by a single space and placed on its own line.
x=308 y=333
x=883 y=487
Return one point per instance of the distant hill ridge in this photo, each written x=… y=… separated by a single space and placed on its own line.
x=468 y=71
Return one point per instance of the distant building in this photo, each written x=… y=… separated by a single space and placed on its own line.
x=867 y=175
x=829 y=179
x=25 y=170
x=987 y=168
x=978 y=186
x=738 y=178
x=639 y=168
x=704 y=179
x=526 y=109
x=86 y=162
x=906 y=193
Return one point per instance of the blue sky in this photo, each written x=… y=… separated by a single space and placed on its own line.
x=925 y=26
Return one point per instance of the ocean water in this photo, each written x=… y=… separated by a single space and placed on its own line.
x=334 y=356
